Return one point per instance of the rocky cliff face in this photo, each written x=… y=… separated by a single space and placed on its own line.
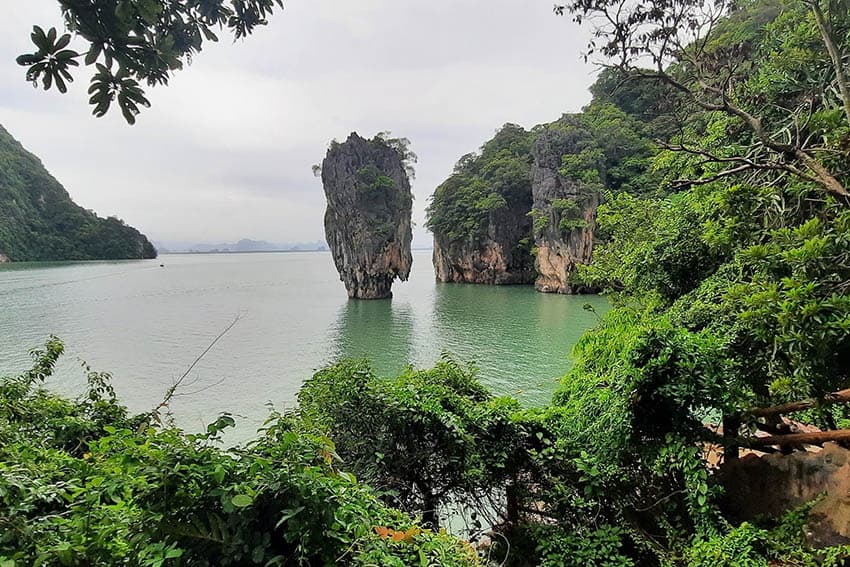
x=368 y=217
x=564 y=213
x=479 y=215
x=501 y=257
x=771 y=485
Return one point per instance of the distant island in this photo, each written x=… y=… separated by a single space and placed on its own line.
x=41 y=222
x=246 y=245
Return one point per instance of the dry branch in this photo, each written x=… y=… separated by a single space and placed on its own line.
x=816 y=438
x=842 y=396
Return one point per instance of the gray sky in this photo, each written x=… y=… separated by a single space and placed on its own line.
x=225 y=150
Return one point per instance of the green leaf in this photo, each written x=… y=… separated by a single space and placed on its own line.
x=218 y=474
x=39 y=38
x=288 y=515
x=242 y=500
x=63 y=42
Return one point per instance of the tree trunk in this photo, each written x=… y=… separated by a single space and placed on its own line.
x=731 y=425
x=430 y=504
x=512 y=497
x=430 y=517
x=834 y=54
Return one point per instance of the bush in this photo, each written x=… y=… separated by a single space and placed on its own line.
x=82 y=482
x=426 y=436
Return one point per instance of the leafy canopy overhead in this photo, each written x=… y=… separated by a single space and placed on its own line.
x=135 y=41
x=706 y=49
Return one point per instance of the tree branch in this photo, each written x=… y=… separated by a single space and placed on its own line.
x=816 y=438
x=834 y=55
x=842 y=396
x=169 y=394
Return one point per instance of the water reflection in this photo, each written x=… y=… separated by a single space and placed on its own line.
x=145 y=324
x=519 y=339
x=380 y=330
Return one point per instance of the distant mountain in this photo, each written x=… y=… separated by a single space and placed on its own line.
x=244 y=245
x=39 y=221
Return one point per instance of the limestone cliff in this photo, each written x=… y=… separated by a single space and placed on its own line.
x=564 y=211
x=368 y=216
x=479 y=215
x=499 y=257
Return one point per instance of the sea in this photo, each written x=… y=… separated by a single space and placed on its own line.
x=146 y=322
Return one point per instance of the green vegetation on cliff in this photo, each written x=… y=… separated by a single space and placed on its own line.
x=481 y=184
x=41 y=222
x=609 y=150
x=554 y=175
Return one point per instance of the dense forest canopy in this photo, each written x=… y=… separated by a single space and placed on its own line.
x=41 y=222
x=498 y=177
x=613 y=139
x=528 y=191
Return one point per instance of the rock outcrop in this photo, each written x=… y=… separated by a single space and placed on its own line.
x=773 y=484
x=563 y=211
x=501 y=257
x=479 y=215
x=368 y=217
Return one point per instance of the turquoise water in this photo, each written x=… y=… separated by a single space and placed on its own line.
x=146 y=324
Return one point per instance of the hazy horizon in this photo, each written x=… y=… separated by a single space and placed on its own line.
x=226 y=150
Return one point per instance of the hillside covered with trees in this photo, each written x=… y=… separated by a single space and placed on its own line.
x=41 y=222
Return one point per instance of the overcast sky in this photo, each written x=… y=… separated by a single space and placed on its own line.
x=225 y=150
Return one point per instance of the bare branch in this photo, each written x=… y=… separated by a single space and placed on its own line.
x=170 y=393
x=679 y=32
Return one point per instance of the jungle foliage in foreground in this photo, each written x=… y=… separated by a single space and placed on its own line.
x=730 y=274
x=39 y=221
x=82 y=482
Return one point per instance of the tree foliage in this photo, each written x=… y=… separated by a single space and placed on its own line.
x=135 y=42
x=602 y=149
x=482 y=184
x=707 y=51
x=426 y=436
x=83 y=482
